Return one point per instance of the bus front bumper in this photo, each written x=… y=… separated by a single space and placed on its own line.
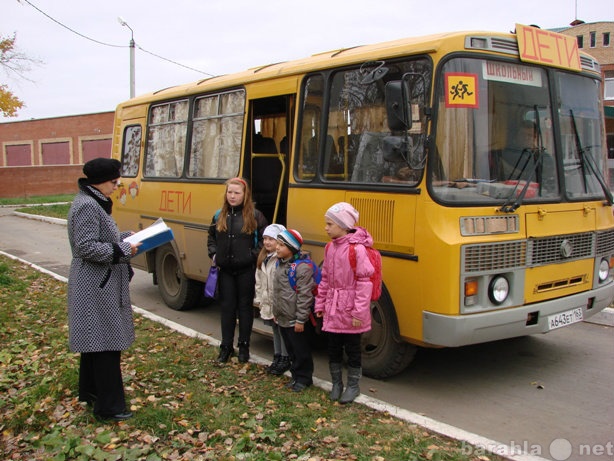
x=462 y=330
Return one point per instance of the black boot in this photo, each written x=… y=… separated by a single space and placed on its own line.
x=225 y=353
x=282 y=366
x=274 y=363
x=352 y=390
x=336 y=374
x=243 y=352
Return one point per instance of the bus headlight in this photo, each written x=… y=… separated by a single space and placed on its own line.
x=604 y=270
x=498 y=289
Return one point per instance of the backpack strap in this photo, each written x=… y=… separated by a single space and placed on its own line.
x=292 y=271
x=292 y=275
x=352 y=257
x=317 y=274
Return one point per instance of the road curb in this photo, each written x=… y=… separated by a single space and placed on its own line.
x=483 y=444
x=605 y=317
x=36 y=217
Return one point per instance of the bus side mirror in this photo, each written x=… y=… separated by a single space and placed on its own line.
x=396 y=106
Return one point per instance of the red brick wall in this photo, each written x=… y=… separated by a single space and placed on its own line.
x=29 y=138
x=74 y=130
x=31 y=181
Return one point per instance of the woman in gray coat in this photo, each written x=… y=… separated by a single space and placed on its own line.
x=100 y=322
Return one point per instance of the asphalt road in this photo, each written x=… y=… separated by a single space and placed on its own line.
x=551 y=395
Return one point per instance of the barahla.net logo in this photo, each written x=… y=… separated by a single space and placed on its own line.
x=558 y=450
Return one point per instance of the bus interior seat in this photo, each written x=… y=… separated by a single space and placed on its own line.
x=283 y=145
x=266 y=175
x=262 y=145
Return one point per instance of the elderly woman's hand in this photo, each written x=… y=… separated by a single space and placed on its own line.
x=134 y=247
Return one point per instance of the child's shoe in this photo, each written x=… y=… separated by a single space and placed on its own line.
x=299 y=387
x=273 y=364
x=352 y=390
x=282 y=366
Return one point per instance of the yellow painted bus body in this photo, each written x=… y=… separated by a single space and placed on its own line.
x=429 y=255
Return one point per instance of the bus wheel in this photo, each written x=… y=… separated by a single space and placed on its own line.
x=382 y=354
x=178 y=291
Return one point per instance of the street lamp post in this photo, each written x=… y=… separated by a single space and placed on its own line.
x=132 y=84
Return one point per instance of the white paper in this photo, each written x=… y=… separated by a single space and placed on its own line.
x=156 y=228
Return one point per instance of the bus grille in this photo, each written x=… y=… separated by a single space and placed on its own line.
x=541 y=251
x=605 y=243
x=504 y=45
x=589 y=63
x=536 y=251
x=494 y=256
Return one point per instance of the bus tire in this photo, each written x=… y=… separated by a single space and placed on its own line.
x=178 y=292
x=383 y=354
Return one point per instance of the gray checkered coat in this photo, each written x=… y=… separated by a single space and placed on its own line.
x=99 y=308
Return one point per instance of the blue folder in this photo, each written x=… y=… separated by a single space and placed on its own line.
x=156 y=240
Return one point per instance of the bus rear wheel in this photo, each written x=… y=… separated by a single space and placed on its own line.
x=177 y=291
x=382 y=354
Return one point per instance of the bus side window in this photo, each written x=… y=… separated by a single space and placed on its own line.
x=168 y=124
x=369 y=165
x=131 y=150
x=217 y=132
x=311 y=116
x=348 y=148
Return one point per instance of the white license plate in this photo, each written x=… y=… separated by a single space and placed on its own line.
x=565 y=318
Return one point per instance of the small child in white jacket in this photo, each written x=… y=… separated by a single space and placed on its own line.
x=263 y=299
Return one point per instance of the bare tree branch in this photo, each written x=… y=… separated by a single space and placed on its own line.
x=13 y=62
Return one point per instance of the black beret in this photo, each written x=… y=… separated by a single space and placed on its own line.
x=101 y=170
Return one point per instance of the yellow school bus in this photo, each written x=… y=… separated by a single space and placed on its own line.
x=475 y=159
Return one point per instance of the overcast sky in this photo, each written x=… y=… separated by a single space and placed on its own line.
x=80 y=76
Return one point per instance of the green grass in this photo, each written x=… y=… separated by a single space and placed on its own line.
x=186 y=405
x=58 y=208
x=37 y=199
x=54 y=211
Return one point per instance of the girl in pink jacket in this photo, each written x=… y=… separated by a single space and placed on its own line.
x=344 y=297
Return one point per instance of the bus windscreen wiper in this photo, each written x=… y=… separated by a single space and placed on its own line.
x=537 y=155
x=508 y=206
x=587 y=160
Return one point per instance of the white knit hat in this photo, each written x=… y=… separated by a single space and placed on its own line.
x=273 y=230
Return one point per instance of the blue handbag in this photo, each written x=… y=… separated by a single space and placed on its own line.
x=211 y=283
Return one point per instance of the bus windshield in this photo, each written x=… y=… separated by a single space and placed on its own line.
x=579 y=116
x=495 y=135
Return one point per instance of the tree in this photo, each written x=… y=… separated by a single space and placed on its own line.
x=13 y=63
x=9 y=104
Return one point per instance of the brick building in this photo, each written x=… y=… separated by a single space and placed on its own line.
x=70 y=140
x=45 y=156
x=596 y=39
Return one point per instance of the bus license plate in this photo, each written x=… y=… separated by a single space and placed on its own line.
x=565 y=318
